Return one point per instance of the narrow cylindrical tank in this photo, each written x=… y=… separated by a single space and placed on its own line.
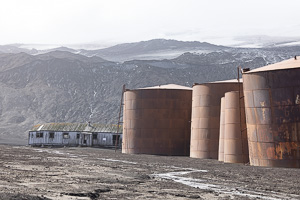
x=272 y=102
x=235 y=137
x=206 y=117
x=222 y=130
x=157 y=120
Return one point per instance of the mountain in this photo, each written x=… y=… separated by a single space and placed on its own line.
x=264 y=41
x=16 y=49
x=60 y=86
x=57 y=86
x=58 y=49
x=71 y=56
x=160 y=49
x=152 y=49
x=8 y=61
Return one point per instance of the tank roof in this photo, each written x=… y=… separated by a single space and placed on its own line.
x=224 y=81
x=286 y=64
x=228 y=81
x=168 y=87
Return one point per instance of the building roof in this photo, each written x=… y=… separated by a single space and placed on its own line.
x=286 y=64
x=168 y=86
x=77 y=127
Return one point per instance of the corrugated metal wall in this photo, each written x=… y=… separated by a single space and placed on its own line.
x=235 y=136
x=73 y=139
x=157 y=121
x=206 y=117
x=106 y=139
x=222 y=130
x=272 y=101
x=56 y=140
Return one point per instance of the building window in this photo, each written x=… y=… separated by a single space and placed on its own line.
x=95 y=136
x=66 y=136
x=78 y=136
x=51 y=135
x=39 y=134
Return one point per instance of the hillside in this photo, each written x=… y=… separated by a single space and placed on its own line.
x=60 y=86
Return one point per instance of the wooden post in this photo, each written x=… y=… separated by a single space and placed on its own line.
x=119 y=122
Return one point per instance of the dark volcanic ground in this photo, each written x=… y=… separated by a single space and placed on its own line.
x=92 y=173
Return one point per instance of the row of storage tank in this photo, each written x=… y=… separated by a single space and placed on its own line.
x=256 y=119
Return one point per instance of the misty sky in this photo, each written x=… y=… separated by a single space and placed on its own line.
x=116 y=21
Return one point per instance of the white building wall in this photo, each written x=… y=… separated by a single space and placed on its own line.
x=106 y=139
x=57 y=140
x=85 y=139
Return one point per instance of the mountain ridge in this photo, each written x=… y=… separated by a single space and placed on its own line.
x=155 y=49
x=150 y=49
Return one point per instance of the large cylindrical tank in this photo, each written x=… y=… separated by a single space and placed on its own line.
x=235 y=137
x=272 y=102
x=206 y=117
x=157 y=120
x=222 y=130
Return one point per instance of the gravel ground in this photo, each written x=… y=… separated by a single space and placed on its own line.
x=93 y=173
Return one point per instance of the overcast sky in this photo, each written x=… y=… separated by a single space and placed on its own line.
x=116 y=21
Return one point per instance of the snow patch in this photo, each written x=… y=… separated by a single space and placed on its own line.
x=291 y=44
x=202 y=184
x=113 y=160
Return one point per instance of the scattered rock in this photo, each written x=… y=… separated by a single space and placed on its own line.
x=194 y=197
x=8 y=196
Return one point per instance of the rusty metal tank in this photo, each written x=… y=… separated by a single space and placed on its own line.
x=235 y=136
x=272 y=102
x=206 y=117
x=157 y=120
x=222 y=130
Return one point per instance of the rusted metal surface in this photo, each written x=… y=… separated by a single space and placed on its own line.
x=273 y=116
x=222 y=130
x=235 y=136
x=157 y=121
x=206 y=117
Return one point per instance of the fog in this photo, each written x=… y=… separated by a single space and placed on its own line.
x=108 y=22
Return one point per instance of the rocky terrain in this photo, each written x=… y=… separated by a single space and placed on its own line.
x=92 y=173
x=67 y=86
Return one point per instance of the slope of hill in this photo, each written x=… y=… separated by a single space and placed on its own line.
x=53 y=89
x=61 y=86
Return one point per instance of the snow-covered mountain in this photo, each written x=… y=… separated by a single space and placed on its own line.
x=152 y=49
x=258 y=41
x=159 y=49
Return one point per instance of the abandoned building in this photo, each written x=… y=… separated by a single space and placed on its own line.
x=75 y=134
